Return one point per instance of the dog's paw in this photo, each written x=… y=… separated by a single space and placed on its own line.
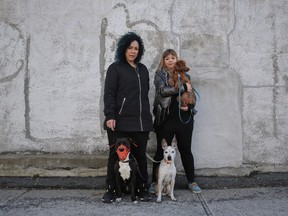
x=173 y=199
x=118 y=199
x=158 y=200
x=135 y=202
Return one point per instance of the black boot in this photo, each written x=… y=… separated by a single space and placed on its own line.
x=143 y=193
x=109 y=195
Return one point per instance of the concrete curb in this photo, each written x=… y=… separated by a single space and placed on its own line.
x=254 y=180
x=92 y=165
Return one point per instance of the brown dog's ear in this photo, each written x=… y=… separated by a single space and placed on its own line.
x=164 y=143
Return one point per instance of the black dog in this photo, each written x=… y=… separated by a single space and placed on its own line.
x=126 y=169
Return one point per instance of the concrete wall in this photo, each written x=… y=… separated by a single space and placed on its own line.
x=54 y=55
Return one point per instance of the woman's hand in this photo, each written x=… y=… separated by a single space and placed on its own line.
x=111 y=124
x=184 y=108
x=189 y=87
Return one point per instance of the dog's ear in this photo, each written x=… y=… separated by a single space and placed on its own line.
x=174 y=142
x=164 y=143
x=132 y=142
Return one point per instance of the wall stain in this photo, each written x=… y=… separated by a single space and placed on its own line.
x=20 y=62
x=102 y=62
x=26 y=93
x=285 y=78
x=170 y=11
x=275 y=79
x=10 y=78
x=230 y=32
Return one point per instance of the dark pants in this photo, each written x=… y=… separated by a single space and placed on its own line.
x=183 y=134
x=138 y=152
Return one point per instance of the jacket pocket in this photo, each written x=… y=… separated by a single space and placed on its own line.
x=122 y=105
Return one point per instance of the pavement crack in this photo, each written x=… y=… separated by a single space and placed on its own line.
x=13 y=198
x=204 y=204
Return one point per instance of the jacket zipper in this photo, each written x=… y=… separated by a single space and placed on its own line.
x=124 y=99
x=140 y=102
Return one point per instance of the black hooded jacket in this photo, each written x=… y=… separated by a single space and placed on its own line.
x=126 y=97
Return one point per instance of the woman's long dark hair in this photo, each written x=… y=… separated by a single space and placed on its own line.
x=124 y=42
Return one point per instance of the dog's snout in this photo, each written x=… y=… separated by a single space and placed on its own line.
x=121 y=149
x=169 y=158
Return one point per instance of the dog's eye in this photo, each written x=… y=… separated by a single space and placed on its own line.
x=166 y=152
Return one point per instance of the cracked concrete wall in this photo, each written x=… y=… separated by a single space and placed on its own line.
x=54 y=55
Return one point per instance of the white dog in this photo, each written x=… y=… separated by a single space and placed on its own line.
x=167 y=171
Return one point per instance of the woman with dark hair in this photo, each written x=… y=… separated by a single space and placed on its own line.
x=127 y=109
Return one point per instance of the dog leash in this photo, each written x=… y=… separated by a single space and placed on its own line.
x=141 y=176
x=148 y=156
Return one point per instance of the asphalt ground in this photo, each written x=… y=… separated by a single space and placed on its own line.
x=257 y=194
x=264 y=201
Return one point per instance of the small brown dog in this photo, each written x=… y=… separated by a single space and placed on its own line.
x=180 y=69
